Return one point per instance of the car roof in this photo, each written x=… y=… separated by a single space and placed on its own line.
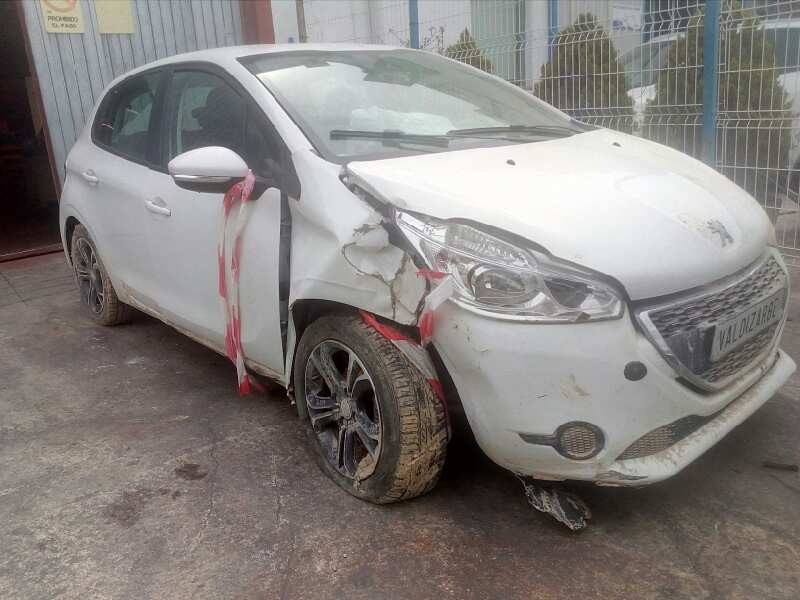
x=229 y=54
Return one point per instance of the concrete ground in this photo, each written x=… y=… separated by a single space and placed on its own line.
x=130 y=468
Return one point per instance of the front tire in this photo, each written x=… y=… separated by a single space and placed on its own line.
x=97 y=294
x=376 y=426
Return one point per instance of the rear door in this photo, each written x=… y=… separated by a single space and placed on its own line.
x=111 y=175
x=205 y=107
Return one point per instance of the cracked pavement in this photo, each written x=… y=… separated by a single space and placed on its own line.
x=131 y=468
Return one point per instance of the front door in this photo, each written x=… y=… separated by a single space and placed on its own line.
x=203 y=109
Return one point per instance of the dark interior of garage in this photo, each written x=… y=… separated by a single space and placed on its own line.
x=28 y=201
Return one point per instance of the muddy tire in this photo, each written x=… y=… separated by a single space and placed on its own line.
x=375 y=425
x=98 y=297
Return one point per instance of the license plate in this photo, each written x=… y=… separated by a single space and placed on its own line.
x=736 y=331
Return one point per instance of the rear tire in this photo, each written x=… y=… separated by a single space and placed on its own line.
x=398 y=449
x=98 y=297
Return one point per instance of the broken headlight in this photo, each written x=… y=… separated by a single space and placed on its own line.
x=497 y=277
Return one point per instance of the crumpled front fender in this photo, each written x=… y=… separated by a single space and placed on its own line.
x=341 y=250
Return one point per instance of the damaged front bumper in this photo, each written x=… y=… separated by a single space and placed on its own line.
x=553 y=401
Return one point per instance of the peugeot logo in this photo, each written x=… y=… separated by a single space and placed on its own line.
x=716 y=227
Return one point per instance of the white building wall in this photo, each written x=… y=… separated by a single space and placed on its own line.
x=536 y=38
x=442 y=21
x=372 y=21
x=284 y=21
x=339 y=20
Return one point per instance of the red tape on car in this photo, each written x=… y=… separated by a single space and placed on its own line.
x=442 y=289
x=238 y=194
x=414 y=352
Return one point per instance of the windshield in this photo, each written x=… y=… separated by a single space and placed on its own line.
x=643 y=63
x=341 y=100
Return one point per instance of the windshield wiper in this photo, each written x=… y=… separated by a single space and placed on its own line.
x=390 y=135
x=538 y=130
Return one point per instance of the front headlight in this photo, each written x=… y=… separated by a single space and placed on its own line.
x=497 y=277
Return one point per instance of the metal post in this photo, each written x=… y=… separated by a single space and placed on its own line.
x=710 y=68
x=552 y=24
x=301 y=21
x=413 y=23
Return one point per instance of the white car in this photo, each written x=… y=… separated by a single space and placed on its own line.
x=604 y=308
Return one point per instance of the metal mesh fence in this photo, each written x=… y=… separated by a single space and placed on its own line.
x=637 y=66
x=758 y=131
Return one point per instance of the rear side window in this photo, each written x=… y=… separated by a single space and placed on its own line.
x=123 y=122
x=205 y=111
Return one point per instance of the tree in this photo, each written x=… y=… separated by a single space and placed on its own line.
x=753 y=113
x=466 y=50
x=584 y=76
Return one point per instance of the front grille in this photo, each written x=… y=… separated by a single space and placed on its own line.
x=664 y=437
x=684 y=329
x=716 y=307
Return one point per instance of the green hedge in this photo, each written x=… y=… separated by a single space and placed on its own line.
x=754 y=120
x=585 y=78
x=466 y=50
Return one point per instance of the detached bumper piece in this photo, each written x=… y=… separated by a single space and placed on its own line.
x=565 y=507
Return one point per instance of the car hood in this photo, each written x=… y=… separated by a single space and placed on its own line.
x=653 y=218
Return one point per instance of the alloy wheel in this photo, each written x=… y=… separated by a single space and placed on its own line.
x=343 y=409
x=90 y=278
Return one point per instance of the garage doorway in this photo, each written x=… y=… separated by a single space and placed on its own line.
x=28 y=191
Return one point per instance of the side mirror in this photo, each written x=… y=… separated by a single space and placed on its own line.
x=209 y=169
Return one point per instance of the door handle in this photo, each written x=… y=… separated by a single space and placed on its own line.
x=157 y=206
x=90 y=177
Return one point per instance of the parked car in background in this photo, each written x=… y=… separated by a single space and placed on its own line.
x=604 y=308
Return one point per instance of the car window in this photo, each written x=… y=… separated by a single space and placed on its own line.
x=263 y=150
x=205 y=111
x=123 y=122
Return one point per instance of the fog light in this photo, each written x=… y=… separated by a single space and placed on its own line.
x=579 y=441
